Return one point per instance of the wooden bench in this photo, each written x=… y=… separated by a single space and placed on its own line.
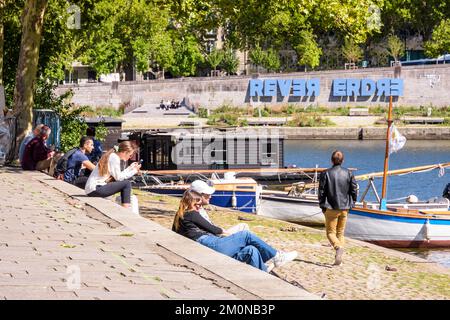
x=266 y=122
x=422 y=120
x=358 y=112
x=189 y=123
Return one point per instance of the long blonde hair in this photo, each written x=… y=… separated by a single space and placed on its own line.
x=124 y=146
x=189 y=198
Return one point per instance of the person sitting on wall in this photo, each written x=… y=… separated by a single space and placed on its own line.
x=206 y=191
x=28 y=138
x=78 y=160
x=37 y=156
x=243 y=245
x=108 y=178
x=96 y=154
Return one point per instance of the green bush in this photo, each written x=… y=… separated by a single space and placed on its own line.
x=304 y=120
x=265 y=112
x=202 y=112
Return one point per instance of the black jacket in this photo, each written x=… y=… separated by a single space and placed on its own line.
x=193 y=226
x=337 y=189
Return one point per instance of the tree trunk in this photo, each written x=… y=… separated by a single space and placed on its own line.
x=2 y=38
x=32 y=22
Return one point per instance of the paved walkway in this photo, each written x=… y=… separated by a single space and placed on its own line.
x=56 y=243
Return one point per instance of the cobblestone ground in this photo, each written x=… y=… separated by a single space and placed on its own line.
x=51 y=249
x=365 y=274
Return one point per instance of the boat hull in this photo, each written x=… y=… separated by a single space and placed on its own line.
x=390 y=229
x=245 y=201
x=292 y=209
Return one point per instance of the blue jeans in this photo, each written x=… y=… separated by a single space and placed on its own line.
x=243 y=246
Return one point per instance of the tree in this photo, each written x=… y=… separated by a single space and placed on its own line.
x=230 y=62
x=32 y=20
x=272 y=60
x=257 y=57
x=214 y=58
x=440 y=40
x=2 y=39
x=351 y=51
x=307 y=50
x=395 y=47
x=187 y=57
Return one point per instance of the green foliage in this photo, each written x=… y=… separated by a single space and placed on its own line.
x=351 y=51
x=440 y=40
x=307 y=50
x=265 y=112
x=304 y=120
x=230 y=62
x=101 y=131
x=187 y=57
x=271 y=60
x=395 y=47
x=257 y=57
x=226 y=115
x=102 y=111
x=214 y=58
x=202 y=112
x=73 y=126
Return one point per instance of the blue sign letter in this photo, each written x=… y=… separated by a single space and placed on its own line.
x=397 y=87
x=383 y=87
x=313 y=86
x=352 y=87
x=285 y=87
x=298 y=88
x=256 y=88
x=339 y=87
x=367 y=87
x=270 y=88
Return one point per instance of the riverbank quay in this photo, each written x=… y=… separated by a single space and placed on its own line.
x=345 y=129
x=56 y=243
x=368 y=271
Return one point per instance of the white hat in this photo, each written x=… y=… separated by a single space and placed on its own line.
x=202 y=187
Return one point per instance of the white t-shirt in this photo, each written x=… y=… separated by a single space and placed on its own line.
x=114 y=170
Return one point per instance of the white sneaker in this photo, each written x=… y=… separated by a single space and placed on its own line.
x=281 y=258
x=270 y=265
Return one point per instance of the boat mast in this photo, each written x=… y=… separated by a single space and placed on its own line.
x=386 y=156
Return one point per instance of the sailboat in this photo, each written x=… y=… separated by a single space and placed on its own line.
x=402 y=227
x=299 y=203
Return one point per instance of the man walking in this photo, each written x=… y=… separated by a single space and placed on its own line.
x=337 y=194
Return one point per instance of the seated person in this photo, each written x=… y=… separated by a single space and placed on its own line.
x=97 y=153
x=206 y=191
x=108 y=178
x=78 y=160
x=28 y=138
x=243 y=245
x=37 y=156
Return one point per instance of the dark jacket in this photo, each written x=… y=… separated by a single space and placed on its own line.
x=337 y=189
x=35 y=151
x=193 y=226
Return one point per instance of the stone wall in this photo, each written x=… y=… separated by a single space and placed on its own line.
x=423 y=86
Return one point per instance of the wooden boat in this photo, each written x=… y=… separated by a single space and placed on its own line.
x=401 y=229
x=241 y=194
x=304 y=208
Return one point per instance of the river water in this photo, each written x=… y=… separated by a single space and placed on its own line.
x=368 y=156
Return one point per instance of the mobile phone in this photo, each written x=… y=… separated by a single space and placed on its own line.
x=140 y=161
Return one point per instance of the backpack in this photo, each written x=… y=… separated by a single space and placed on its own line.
x=61 y=165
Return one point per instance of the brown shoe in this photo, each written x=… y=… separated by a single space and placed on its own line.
x=338 y=258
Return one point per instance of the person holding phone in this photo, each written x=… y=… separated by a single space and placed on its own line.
x=107 y=178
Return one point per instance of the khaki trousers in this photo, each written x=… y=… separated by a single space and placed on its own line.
x=335 y=221
x=44 y=164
